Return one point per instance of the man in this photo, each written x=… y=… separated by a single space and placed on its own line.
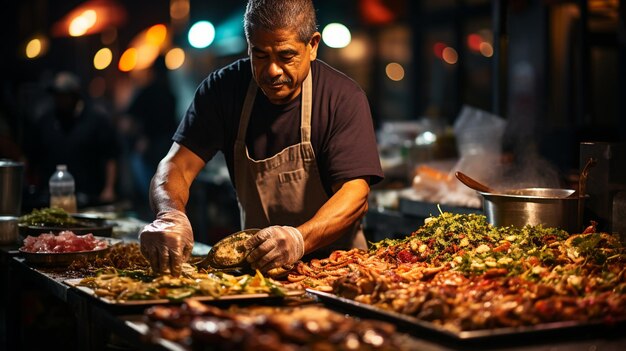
x=301 y=151
x=76 y=133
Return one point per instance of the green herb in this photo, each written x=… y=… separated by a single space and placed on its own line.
x=51 y=216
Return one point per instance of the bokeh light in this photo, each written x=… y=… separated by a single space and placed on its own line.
x=102 y=59
x=438 y=49
x=394 y=71
x=450 y=56
x=128 y=61
x=473 y=42
x=33 y=48
x=356 y=50
x=156 y=34
x=336 y=35
x=201 y=34
x=179 y=9
x=82 y=23
x=486 y=49
x=174 y=58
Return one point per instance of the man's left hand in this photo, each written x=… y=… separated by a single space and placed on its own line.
x=274 y=247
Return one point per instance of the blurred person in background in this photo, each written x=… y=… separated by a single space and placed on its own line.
x=299 y=144
x=147 y=127
x=73 y=132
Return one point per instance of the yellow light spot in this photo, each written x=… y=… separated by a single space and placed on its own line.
x=33 y=48
x=81 y=24
x=450 y=55
x=128 y=61
x=174 y=58
x=156 y=34
x=486 y=49
x=394 y=71
x=102 y=59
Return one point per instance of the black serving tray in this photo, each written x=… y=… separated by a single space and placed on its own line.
x=424 y=329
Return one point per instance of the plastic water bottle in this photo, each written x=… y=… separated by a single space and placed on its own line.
x=62 y=190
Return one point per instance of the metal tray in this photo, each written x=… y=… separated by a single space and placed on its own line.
x=422 y=328
x=230 y=298
x=61 y=259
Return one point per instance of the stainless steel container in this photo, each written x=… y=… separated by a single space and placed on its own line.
x=8 y=230
x=545 y=206
x=11 y=179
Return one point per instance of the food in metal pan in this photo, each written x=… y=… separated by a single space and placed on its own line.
x=306 y=327
x=124 y=285
x=64 y=242
x=48 y=217
x=462 y=273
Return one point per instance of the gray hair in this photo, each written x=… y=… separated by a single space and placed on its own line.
x=281 y=14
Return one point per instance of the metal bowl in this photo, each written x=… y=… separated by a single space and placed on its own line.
x=549 y=207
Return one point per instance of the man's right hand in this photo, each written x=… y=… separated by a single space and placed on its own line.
x=167 y=242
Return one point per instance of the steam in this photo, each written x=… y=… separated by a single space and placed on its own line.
x=480 y=139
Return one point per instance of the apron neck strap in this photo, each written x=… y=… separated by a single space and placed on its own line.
x=305 y=109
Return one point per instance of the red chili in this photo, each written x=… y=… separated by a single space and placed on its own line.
x=405 y=256
x=503 y=247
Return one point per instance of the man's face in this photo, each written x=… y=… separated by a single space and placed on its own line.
x=281 y=62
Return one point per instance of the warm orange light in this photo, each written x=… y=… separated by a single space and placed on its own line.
x=102 y=59
x=156 y=35
x=174 y=58
x=90 y=17
x=128 y=61
x=394 y=71
x=146 y=54
x=486 y=49
x=82 y=23
x=450 y=56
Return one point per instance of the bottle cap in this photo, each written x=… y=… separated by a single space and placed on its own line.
x=61 y=167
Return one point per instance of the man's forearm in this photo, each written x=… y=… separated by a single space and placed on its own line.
x=168 y=188
x=338 y=214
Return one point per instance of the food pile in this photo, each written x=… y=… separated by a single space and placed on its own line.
x=64 y=242
x=48 y=217
x=127 y=285
x=126 y=256
x=270 y=328
x=461 y=273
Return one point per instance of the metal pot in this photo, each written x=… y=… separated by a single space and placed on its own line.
x=546 y=206
x=8 y=230
x=11 y=177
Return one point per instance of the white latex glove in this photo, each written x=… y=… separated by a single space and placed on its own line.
x=167 y=242
x=274 y=247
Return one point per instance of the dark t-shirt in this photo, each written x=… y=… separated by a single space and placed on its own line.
x=342 y=133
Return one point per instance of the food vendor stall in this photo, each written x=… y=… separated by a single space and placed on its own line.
x=455 y=282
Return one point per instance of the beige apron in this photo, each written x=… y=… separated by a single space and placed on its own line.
x=285 y=189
